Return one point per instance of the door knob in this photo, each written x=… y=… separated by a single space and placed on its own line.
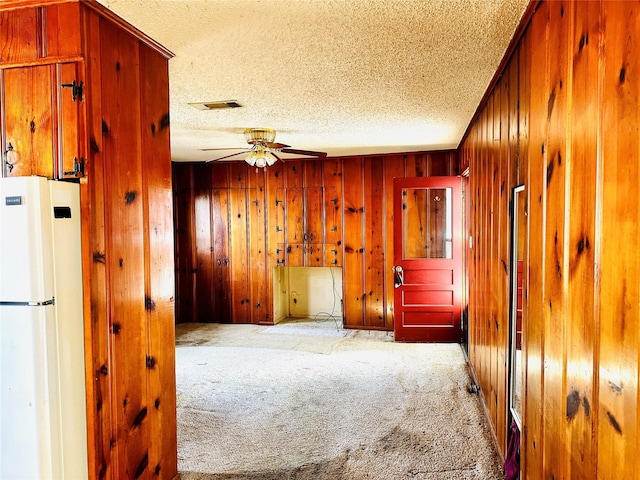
x=398 y=276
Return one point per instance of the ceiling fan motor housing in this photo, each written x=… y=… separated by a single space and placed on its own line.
x=259 y=136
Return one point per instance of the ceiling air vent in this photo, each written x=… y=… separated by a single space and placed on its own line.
x=216 y=105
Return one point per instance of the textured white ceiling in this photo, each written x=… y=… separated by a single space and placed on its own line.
x=341 y=76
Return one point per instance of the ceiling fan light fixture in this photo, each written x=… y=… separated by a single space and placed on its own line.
x=270 y=158
x=252 y=158
x=260 y=158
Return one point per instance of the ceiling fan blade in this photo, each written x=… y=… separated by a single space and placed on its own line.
x=304 y=152
x=227 y=156
x=275 y=145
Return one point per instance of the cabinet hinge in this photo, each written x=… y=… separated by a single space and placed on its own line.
x=76 y=89
x=78 y=168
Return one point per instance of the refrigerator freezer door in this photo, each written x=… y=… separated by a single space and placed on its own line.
x=29 y=429
x=26 y=264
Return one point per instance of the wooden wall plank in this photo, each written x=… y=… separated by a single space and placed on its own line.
x=239 y=256
x=554 y=226
x=536 y=183
x=261 y=277
x=492 y=290
x=100 y=416
x=99 y=419
x=332 y=181
x=617 y=241
x=581 y=325
x=62 y=30
x=221 y=311
x=353 y=207
x=204 y=252
x=394 y=166
x=159 y=287
x=504 y=182
x=18 y=30
x=374 y=243
x=275 y=211
x=183 y=211
x=125 y=257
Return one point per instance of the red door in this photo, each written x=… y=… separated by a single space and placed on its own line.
x=427 y=259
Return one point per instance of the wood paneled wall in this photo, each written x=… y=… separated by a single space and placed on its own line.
x=234 y=223
x=563 y=120
x=121 y=128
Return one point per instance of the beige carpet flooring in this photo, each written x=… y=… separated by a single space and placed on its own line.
x=308 y=400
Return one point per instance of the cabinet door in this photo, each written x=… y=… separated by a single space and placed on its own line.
x=69 y=101
x=40 y=121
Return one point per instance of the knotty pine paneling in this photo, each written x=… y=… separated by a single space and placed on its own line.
x=20 y=35
x=616 y=241
x=335 y=212
x=554 y=252
x=374 y=209
x=581 y=342
x=568 y=107
x=159 y=259
x=260 y=278
x=124 y=215
x=97 y=345
x=183 y=212
x=354 y=230
x=533 y=323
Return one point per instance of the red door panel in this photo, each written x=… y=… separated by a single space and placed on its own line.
x=428 y=259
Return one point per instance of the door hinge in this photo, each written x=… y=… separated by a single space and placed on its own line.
x=76 y=89
x=78 y=168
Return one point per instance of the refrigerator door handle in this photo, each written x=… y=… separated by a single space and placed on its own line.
x=29 y=304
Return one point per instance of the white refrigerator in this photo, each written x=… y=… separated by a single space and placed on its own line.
x=43 y=431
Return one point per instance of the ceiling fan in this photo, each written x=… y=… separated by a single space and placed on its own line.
x=263 y=151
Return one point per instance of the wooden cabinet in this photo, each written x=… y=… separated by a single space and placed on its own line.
x=305 y=220
x=40 y=119
x=119 y=125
